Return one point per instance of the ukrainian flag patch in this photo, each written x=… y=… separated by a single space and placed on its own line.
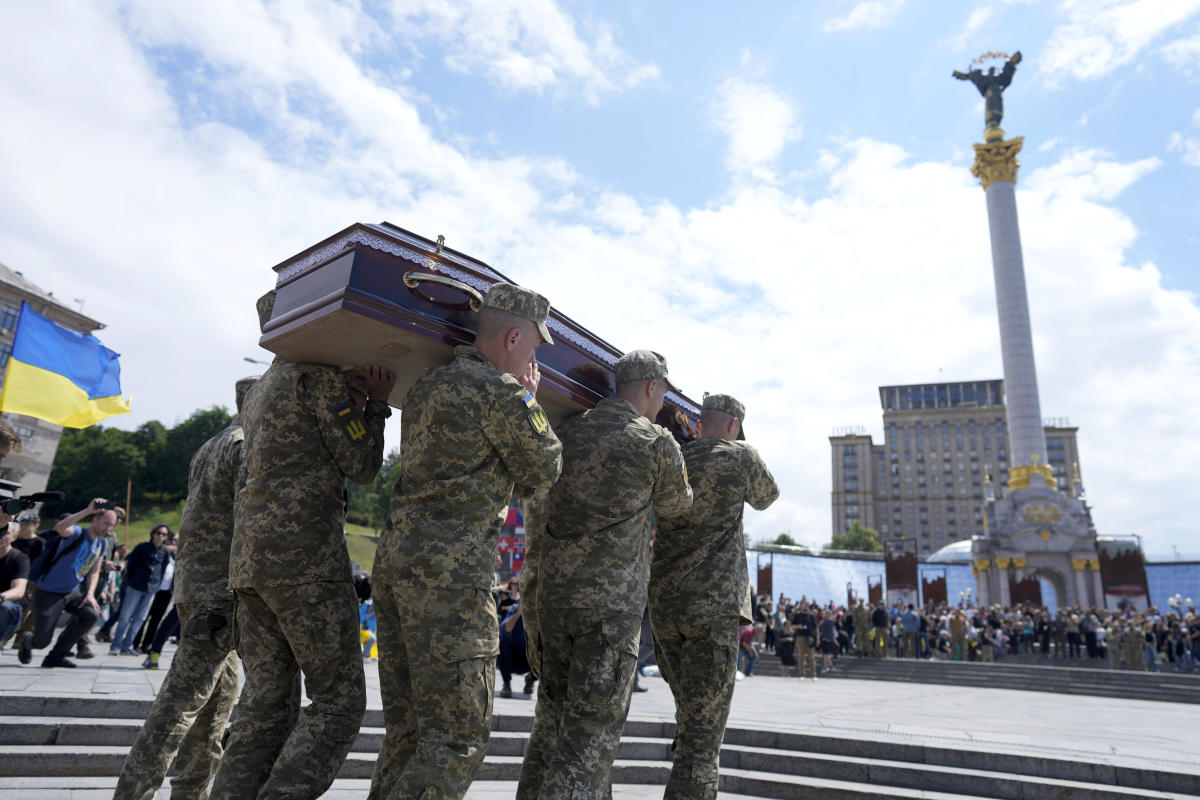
x=350 y=421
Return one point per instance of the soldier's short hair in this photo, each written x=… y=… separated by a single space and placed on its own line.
x=9 y=438
x=521 y=302
x=495 y=322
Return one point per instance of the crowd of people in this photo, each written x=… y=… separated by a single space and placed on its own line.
x=112 y=595
x=796 y=632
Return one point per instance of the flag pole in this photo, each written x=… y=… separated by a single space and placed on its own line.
x=128 y=506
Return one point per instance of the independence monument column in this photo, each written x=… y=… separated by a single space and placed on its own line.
x=996 y=167
x=1034 y=530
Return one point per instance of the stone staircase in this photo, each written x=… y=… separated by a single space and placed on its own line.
x=1163 y=686
x=79 y=743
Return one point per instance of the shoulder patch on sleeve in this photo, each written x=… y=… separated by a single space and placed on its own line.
x=683 y=468
x=350 y=420
x=538 y=420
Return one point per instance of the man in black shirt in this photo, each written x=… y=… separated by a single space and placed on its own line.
x=14 y=572
x=27 y=540
x=879 y=630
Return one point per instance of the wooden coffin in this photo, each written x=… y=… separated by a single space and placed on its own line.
x=378 y=294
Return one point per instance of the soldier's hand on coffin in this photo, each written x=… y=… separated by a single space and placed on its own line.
x=376 y=382
x=531 y=377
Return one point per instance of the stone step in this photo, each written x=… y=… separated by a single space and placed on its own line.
x=646 y=761
x=775 y=750
x=1177 y=688
x=357 y=788
x=907 y=775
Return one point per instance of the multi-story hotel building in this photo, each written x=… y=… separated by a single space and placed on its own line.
x=928 y=479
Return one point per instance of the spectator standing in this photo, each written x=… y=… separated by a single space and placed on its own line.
x=143 y=575
x=910 y=626
x=879 y=630
x=786 y=648
x=619 y=469
x=471 y=431
x=958 y=635
x=747 y=653
x=66 y=575
x=805 y=625
x=861 y=616
x=161 y=603
x=828 y=633
x=700 y=591
x=14 y=574
x=28 y=542
x=308 y=428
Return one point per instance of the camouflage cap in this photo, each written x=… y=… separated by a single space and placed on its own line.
x=642 y=365
x=525 y=303
x=242 y=387
x=727 y=404
x=265 y=305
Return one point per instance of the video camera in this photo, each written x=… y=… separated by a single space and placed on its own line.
x=12 y=505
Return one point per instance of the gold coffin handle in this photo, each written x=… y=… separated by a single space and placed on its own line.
x=413 y=279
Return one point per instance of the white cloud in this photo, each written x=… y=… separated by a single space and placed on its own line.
x=870 y=14
x=1184 y=54
x=1186 y=146
x=758 y=120
x=801 y=305
x=1090 y=175
x=1101 y=35
x=523 y=44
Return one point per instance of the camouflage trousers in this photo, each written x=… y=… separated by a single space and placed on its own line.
x=188 y=716
x=281 y=632
x=698 y=658
x=587 y=661
x=533 y=649
x=437 y=674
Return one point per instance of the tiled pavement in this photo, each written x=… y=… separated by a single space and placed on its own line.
x=1093 y=728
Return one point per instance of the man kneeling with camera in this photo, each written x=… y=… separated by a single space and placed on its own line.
x=66 y=575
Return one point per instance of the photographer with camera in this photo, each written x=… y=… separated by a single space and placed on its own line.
x=66 y=574
x=14 y=574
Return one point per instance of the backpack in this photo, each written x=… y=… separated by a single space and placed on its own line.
x=51 y=556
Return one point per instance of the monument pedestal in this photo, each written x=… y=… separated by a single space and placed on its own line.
x=1039 y=532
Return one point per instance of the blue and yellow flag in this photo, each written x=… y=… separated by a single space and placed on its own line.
x=61 y=376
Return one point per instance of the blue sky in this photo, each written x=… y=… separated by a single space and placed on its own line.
x=775 y=195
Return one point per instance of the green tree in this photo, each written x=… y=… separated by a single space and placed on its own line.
x=170 y=468
x=93 y=462
x=373 y=501
x=783 y=538
x=857 y=538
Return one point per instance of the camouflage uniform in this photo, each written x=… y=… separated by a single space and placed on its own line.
x=862 y=630
x=533 y=512
x=192 y=707
x=618 y=469
x=700 y=597
x=296 y=610
x=468 y=433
